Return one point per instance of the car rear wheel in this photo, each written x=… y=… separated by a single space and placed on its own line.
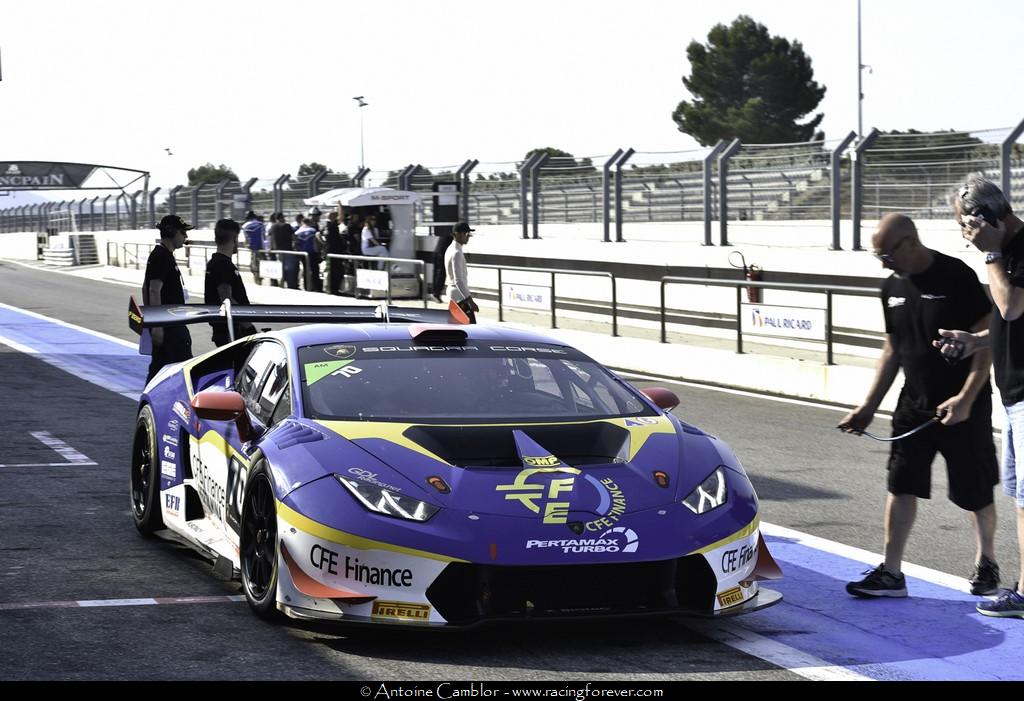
x=145 y=475
x=258 y=544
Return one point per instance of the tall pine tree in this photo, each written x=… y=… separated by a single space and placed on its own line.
x=749 y=85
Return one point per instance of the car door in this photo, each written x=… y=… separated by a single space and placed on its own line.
x=263 y=382
x=218 y=459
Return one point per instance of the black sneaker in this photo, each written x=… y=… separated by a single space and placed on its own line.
x=879 y=582
x=985 y=580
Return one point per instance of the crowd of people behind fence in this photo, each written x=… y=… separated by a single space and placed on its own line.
x=308 y=235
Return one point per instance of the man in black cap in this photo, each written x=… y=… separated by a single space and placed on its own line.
x=163 y=285
x=223 y=281
x=455 y=268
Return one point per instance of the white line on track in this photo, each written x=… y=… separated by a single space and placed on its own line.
x=74 y=458
x=850 y=552
x=29 y=350
x=97 y=334
x=61 y=448
x=104 y=603
x=789 y=658
x=46 y=464
x=76 y=274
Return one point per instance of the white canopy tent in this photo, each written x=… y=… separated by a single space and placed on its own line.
x=400 y=204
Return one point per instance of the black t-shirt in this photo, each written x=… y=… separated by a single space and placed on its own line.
x=221 y=271
x=335 y=244
x=947 y=295
x=353 y=234
x=1007 y=337
x=281 y=236
x=162 y=266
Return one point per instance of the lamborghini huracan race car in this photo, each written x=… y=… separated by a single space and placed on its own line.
x=407 y=472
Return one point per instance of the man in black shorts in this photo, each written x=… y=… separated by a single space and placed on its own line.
x=928 y=291
x=163 y=285
x=223 y=281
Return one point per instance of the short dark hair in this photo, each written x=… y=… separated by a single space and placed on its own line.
x=225 y=230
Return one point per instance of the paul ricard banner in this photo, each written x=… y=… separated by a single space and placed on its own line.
x=39 y=175
x=783 y=322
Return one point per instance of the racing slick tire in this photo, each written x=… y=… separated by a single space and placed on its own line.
x=259 y=543
x=145 y=475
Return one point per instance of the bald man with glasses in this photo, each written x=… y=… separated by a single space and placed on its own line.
x=928 y=291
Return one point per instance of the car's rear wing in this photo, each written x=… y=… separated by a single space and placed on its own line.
x=148 y=317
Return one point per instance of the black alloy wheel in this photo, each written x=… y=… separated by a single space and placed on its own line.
x=259 y=543
x=145 y=475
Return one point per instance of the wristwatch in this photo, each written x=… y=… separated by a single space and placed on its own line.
x=993 y=257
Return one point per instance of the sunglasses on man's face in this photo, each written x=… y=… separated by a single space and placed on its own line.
x=889 y=257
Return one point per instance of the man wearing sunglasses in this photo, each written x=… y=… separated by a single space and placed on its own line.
x=927 y=291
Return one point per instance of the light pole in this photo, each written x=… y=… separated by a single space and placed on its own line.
x=860 y=76
x=362 y=104
x=860 y=90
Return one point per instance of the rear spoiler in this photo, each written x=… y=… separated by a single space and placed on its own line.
x=148 y=317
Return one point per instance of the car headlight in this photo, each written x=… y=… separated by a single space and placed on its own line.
x=384 y=501
x=709 y=494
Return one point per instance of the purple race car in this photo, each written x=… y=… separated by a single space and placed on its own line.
x=438 y=475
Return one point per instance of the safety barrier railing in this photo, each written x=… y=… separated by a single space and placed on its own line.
x=421 y=269
x=554 y=297
x=134 y=252
x=305 y=264
x=207 y=251
x=827 y=290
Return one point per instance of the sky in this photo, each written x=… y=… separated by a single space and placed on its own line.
x=265 y=86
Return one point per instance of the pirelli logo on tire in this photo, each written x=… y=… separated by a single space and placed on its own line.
x=730 y=597
x=401 y=610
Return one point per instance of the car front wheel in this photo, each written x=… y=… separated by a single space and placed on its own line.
x=258 y=544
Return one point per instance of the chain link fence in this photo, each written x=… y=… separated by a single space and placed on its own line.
x=913 y=173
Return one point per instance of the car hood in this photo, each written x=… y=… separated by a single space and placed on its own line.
x=590 y=472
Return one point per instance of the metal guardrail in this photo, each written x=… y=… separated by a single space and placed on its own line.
x=206 y=249
x=419 y=264
x=827 y=290
x=305 y=266
x=552 y=272
x=121 y=260
x=133 y=251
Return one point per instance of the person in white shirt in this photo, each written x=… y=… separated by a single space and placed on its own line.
x=455 y=268
x=371 y=245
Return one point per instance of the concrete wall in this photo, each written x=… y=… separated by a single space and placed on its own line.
x=20 y=245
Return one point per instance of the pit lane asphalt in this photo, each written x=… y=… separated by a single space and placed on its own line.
x=68 y=536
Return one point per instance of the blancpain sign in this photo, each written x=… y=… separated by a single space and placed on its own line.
x=37 y=175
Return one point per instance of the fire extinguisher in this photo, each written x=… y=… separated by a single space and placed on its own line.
x=750 y=272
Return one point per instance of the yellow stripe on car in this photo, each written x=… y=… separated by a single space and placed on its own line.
x=319 y=530
x=744 y=532
x=218 y=441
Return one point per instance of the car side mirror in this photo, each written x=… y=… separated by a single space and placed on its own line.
x=663 y=398
x=218 y=405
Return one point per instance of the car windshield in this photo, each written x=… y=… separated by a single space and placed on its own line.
x=477 y=382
